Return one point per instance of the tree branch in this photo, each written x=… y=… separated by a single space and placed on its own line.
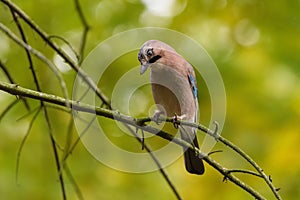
x=227 y=143
x=109 y=113
x=60 y=52
x=40 y=56
x=75 y=67
x=28 y=49
x=86 y=28
x=11 y=80
x=227 y=173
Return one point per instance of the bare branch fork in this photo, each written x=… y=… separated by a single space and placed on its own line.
x=139 y=123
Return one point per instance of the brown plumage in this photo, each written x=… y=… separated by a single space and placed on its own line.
x=174 y=87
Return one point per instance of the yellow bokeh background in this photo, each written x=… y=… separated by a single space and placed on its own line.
x=255 y=45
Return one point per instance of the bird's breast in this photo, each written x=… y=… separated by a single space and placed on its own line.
x=172 y=91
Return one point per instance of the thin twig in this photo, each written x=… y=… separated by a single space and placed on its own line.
x=154 y=158
x=227 y=143
x=69 y=135
x=73 y=181
x=71 y=149
x=17 y=90
x=23 y=143
x=56 y=156
x=244 y=172
x=28 y=113
x=60 y=52
x=7 y=74
x=40 y=56
x=86 y=28
x=89 y=123
x=67 y=59
x=8 y=108
x=28 y=49
x=67 y=43
x=94 y=87
x=252 y=162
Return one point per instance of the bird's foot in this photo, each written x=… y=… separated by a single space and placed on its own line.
x=156 y=116
x=176 y=118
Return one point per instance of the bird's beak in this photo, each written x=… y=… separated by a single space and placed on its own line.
x=144 y=68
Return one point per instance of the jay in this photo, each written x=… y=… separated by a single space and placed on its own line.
x=174 y=89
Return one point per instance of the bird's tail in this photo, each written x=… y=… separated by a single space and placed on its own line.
x=193 y=164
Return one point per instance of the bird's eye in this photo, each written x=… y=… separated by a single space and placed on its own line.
x=140 y=56
x=150 y=52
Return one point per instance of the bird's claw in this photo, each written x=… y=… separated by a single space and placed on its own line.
x=156 y=116
x=175 y=119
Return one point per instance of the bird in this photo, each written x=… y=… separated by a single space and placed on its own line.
x=174 y=90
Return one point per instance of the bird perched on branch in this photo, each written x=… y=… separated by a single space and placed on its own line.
x=174 y=89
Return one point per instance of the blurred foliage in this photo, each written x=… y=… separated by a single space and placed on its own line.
x=255 y=45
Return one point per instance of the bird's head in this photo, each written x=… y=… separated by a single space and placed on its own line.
x=151 y=52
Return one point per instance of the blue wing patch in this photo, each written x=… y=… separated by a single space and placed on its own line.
x=193 y=86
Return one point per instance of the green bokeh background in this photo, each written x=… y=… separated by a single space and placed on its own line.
x=256 y=47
